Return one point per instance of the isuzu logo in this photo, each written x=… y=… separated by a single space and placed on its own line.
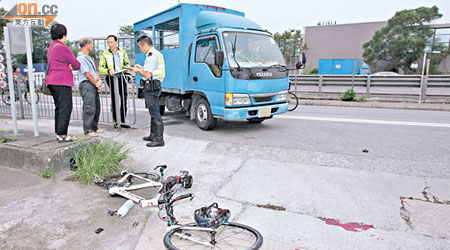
x=264 y=74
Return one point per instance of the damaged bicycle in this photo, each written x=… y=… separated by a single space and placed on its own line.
x=211 y=229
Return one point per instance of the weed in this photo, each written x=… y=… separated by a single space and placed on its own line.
x=101 y=158
x=50 y=173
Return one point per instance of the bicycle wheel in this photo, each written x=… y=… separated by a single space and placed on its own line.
x=227 y=236
x=28 y=97
x=6 y=98
x=293 y=101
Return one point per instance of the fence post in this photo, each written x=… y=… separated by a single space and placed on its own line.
x=19 y=85
x=117 y=100
x=368 y=85
x=34 y=108
x=295 y=89
x=320 y=84
x=424 y=89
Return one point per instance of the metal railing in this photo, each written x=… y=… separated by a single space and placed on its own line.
x=433 y=86
x=46 y=105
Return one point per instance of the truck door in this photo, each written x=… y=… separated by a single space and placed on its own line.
x=205 y=76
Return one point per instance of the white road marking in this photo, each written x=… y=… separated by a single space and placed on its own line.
x=352 y=120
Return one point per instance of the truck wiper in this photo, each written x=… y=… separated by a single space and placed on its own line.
x=234 y=53
x=279 y=66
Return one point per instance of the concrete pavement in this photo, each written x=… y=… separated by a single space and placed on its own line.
x=299 y=182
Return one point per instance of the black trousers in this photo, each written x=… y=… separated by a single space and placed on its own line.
x=123 y=96
x=62 y=97
x=152 y=102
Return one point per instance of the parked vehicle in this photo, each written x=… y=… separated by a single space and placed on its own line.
x=219 y=64
x=343 y=67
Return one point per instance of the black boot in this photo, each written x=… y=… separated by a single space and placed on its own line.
x=152 y=135
x=159 y=139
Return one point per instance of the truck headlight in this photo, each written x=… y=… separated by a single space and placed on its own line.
x=282 y=96
x=237 y=99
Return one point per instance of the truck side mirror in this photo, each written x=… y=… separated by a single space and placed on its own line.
x=301 y=64
x=303 y=58
x=219 y=58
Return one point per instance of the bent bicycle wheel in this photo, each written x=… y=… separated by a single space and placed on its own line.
x=227 y=236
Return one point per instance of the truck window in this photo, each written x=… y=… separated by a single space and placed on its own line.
x=167 y=35
x=205 y=52
x=147 y=31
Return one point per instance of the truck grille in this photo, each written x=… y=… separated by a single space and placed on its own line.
x=263 y=98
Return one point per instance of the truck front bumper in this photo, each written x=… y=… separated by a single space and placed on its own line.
x=265 y=111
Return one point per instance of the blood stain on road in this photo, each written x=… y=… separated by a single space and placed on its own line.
x=350 y=226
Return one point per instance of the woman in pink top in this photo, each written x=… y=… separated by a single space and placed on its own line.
x=61 y=62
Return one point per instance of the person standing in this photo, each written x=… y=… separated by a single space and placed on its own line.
x=153 y=73
x=18 y=80
x=59 y=79
x=90 y=86
x=17 y=75
x=111 y=61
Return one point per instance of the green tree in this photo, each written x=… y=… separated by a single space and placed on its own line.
x=403 y=40
x=291 y=44
x=72 y=47
x=126 y=30
x=3 y=23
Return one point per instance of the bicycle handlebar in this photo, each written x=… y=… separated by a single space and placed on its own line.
x=181 y=197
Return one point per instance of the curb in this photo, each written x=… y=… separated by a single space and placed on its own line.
x=32 y=160
x=381 y=105
x=36 y=160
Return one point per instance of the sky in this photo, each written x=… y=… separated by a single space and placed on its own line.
x=97 y=18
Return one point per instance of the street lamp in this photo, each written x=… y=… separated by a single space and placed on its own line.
x=426 y=62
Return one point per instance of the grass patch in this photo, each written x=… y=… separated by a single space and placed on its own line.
x=101 y=158
x=348 y=95
x=361 y=100
x=48 y=174
x=4 y=138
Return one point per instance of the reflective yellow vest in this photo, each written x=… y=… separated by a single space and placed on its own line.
x=160 y=72
x=107 y=60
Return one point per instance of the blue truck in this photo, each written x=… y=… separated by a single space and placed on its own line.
x=343 y=67
x=219 y=64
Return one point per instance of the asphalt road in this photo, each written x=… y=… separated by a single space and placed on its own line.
x=302 y=179
x=418 y=138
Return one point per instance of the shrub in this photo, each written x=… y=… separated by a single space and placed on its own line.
x=313 y=71
x=348 y=95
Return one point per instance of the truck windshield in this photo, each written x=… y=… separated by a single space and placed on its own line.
x=248 y=50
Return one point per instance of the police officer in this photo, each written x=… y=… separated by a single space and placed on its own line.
x=153 y=73
x=111 y=60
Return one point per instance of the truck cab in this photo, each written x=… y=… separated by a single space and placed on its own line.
x=219 y=64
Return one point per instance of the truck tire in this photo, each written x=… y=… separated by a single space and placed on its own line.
x=203 y=115
x=162 y=109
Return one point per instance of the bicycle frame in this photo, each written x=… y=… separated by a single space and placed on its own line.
x=124 y=191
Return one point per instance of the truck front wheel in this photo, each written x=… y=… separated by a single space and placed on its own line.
x=203 y=115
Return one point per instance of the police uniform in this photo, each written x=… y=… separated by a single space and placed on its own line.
x=154 y=63
x=115 y=61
